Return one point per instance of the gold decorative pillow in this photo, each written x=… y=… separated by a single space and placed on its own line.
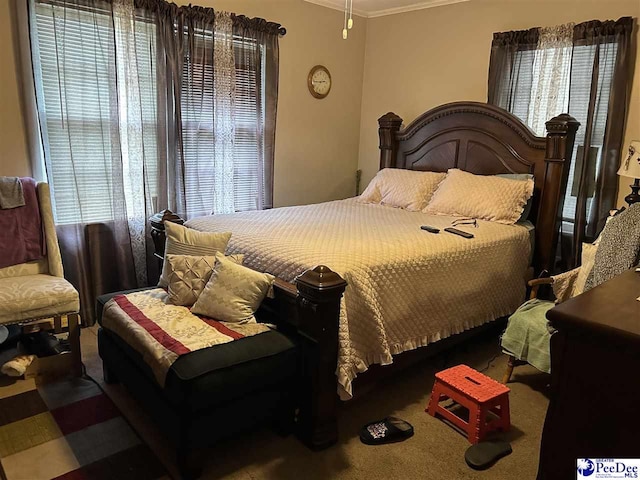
x=487 y=197
x=186 y=241
x=188 y=275
x=408 y=189
x=233 y=293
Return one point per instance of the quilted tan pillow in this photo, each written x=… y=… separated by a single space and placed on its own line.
x=233 y=293
x=486 y=197
x=188 y=275
x=186 y=241
x=396 y=187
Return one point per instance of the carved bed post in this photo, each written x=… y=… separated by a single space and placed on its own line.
x=319 y=294
x=561 y=134
x=389 y=125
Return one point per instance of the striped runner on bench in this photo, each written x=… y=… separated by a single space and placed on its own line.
x=162 y=332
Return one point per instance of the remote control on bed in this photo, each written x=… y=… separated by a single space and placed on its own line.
x=430 y=229
x=455 y=231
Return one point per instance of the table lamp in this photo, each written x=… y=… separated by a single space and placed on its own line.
x=631 y=168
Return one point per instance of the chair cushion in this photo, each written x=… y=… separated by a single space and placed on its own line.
x=36 y=296
x=222 y=373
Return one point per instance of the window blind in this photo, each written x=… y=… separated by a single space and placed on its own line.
x=83 y=62
x=198 y=131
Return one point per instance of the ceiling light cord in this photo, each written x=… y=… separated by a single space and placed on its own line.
x=350 y=22
x=345 y=31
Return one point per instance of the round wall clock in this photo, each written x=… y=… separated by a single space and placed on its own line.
x=319 y=81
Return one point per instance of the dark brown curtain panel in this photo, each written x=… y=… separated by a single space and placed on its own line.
x=602 y=66
x=145 y=105
x=511 y=68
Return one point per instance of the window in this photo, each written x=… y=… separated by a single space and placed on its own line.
x=77 y=77
x=567 y=81
x=198 y=118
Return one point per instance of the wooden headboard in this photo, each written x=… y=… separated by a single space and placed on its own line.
x=486 y=140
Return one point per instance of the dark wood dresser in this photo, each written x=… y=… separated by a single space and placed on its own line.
x=594 y=410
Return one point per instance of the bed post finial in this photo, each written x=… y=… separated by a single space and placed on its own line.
x=319 y=293
x=561 y=134
x=389 y=125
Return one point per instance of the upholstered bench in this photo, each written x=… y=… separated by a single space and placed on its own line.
x=212 y=393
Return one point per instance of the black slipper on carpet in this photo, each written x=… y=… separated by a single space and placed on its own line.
x=389 y=430
x=484 y=454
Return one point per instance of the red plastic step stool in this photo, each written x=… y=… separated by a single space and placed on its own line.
x=476 y=392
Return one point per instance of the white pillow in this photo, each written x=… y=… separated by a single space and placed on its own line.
x=486 y=197
x=396 y=187
x=233 y=293
x=186 y=241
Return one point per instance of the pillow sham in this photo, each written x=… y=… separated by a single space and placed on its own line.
x=371 y=194
x=486 y=197
x=233 y=293
x=188 y=275
x=186 y=241
x=397 y=187
x=521 y=176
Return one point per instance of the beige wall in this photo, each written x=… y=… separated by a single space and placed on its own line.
x=316 y=140
x=13 y=145
x=418 y=60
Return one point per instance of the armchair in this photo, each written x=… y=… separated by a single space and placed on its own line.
x=528 y=333
x=35 y=294
x=527 y=337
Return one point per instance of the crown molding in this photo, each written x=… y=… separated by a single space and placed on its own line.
x=413 y=7
x=339 y=5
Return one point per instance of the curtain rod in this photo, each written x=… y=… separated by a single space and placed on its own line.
x=91 y=6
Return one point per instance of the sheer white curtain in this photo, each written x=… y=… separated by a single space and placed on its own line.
x=136 y=204
x=224 y=113
x=550 y=93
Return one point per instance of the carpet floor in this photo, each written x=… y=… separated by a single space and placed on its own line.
x=436 y=451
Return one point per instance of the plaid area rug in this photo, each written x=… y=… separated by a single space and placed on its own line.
x=69 y=430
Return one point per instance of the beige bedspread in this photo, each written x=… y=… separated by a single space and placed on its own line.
x=407 y=287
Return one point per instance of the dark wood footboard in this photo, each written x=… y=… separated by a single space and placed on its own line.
x=310 y=308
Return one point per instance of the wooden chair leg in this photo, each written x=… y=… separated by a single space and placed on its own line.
x=511 y=363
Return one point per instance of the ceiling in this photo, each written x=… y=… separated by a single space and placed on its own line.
x=379 y=8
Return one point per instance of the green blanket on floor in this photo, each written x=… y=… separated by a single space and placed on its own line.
x=528 y=334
